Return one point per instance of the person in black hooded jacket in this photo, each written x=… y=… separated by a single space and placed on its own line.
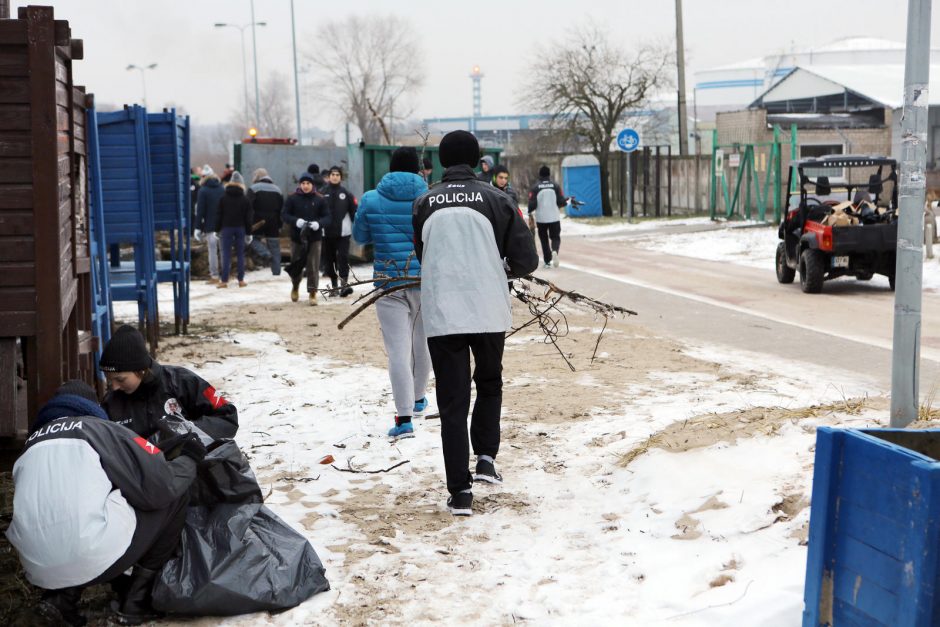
x=234 y=223
x=144 y=391
x=335 y=255
x=307 y=214
x=266 y=204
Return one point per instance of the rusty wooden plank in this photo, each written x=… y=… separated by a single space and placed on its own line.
x=14 y=90
x=7 y=381
x=61 y=94
x=14 y=61
x=62 y=118
x=14 y=117
x=17 y=248
x=69 y=296
x=43 y=68
x=14 y=145
x=16 y=222
x=15 y=196
x=61 y=71
x=15 y=171
x=21 y=298
x=18 y=323
x=62 y=33
x=12 y=32
x=17 y=274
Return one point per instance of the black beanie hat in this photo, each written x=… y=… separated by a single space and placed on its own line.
x=404 y=159
x=313 y=168
x=77 y=388
x=544 y=171
x=459 y=148
x=125 y=352
x=499 y=168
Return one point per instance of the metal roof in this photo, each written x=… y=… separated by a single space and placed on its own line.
x=881 y=84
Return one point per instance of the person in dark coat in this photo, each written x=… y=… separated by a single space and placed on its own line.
x=467 y=233
x=233 y=222
x=318 y=181
x=266 y=204
x=501 y=182
x=91 y=500
x=307 y=214
x=335 y=255
x=143 y=391
x=207 y=211
x=195 y=180
x=486 y=169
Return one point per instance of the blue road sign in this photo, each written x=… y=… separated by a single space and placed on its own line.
x=628 y=140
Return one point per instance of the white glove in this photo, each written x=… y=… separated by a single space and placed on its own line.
x=314 y=226
x=197 y=235
x=301 y=224
x=248 y=239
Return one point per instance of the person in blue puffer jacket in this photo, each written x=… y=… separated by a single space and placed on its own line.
x=384 y=219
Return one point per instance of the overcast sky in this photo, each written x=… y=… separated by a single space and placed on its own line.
x=200 y=66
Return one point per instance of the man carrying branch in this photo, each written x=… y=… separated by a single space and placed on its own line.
x=467 y=233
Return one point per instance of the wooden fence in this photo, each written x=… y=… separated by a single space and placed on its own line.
x=45 y=292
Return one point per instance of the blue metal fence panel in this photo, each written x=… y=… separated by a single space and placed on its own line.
x=874 y=537
x=584 y=183
x=128 y=210
x=102 y=314
x=169 y=161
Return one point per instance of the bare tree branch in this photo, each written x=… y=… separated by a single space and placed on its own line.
x=370 y=68
x=589 y=87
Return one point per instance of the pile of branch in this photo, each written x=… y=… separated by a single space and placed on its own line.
x=540 y=296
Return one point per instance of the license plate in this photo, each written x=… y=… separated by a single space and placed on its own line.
x=840 y=262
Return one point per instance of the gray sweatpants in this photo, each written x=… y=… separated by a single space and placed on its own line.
x=409 y=363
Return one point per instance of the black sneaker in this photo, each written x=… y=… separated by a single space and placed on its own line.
x=486 y=472
x=461 y=504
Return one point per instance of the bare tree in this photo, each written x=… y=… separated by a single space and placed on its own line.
x=276 y=106
x=590 y=86
x=369 y=68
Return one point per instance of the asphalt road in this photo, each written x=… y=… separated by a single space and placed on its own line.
x=849 y=326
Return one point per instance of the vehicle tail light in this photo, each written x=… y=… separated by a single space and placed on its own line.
x=827 y=240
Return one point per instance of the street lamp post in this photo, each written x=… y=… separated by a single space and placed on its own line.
x=241 y=29
x=143 y=78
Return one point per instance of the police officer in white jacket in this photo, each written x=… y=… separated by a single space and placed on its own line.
x=467 y=233
x=93 y=499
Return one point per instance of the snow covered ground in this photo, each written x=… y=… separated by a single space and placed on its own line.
x=677 y=496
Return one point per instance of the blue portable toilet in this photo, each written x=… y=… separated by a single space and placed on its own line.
x=581 y=178
x=169 y=163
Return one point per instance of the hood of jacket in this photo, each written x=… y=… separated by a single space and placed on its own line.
x=234 y=189
x=401 y=186
x=212 y=181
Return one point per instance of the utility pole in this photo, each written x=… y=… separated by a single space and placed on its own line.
x=293 y=39
x=254 y=49
x=905 y=357
x=680 y=62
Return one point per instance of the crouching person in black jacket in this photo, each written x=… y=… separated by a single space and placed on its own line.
x=91 y=500
x=143 y=391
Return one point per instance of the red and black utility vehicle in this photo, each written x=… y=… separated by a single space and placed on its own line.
x=841 y=222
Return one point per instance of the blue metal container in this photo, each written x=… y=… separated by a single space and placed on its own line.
x=169 y=164
x=874 y=537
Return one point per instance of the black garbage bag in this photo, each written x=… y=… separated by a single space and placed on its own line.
x=236 y=555
x=237 y=559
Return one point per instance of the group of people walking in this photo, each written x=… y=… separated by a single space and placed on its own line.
x=320 y=214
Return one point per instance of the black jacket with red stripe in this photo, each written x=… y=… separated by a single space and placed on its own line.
x=172 y=391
